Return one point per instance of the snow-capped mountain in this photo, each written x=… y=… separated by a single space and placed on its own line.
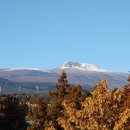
x=66 y=65
x=77 y=73
x=81 y=66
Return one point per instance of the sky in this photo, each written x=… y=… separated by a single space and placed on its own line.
x=46 y=33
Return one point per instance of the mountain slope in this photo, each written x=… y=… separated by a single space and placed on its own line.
x=88 y=74
x=78 y=73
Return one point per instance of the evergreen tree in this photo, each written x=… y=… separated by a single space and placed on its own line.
x=14 y=113
x=2 y=106
x=54 y=111
x=39 y=114
x=61 y=86
x=76 y=94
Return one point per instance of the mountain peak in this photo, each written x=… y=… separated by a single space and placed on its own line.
x=81 y=66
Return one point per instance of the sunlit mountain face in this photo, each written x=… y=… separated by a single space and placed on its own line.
x=83 y=74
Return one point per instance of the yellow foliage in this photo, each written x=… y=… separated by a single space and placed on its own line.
x=49 y=126
x=102 y=111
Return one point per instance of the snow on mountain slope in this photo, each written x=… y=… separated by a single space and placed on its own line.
x=24 y=68
x=77 y=73
x=82 y=66
x=66 y=65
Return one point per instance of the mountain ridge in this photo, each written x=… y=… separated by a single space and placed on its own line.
x=65 y=65
x=77 y=73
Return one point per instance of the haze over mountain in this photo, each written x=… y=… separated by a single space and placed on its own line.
x=83 y=74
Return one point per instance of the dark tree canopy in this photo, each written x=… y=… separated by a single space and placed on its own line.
x=14 y=113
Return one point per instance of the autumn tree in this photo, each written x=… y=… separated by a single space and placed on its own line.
x=101 y=111
x=127 y=93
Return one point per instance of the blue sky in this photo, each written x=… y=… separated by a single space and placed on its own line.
x=46 y=33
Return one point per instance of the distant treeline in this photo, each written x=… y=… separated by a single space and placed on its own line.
x=68 y=107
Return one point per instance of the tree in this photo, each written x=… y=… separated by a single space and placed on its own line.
x=61 y=89
x=39 y=114
x=126 y=92
x=101 y=111
x=14 y=113
x=76 y=94
x=61 y=86
x=2 y=107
